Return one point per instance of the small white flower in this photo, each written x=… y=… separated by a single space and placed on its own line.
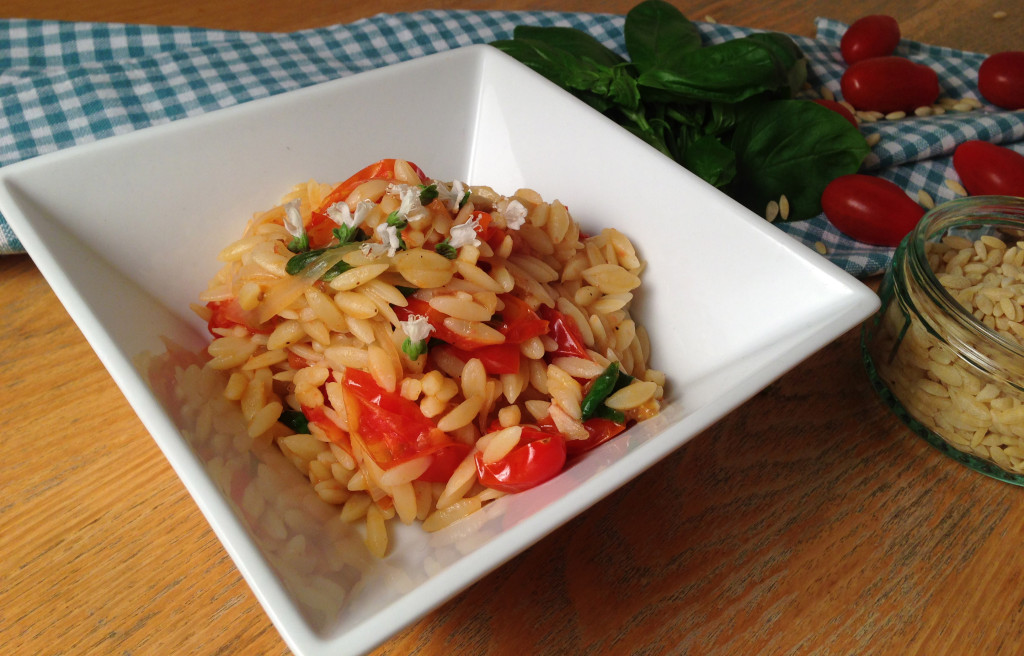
x=293 y=218
x=464 y=234
x=341 y=214
x=515 y=215
x=451 y=196
x=411 y=208
x=372 y=250
x=417 y=328
x=388 y=235
x=363 y=208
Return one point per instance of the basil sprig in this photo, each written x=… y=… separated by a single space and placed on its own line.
x=724 y=111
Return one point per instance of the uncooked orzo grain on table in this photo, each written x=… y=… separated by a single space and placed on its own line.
x=418 y=348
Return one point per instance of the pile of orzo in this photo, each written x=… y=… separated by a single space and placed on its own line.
x=418 y=348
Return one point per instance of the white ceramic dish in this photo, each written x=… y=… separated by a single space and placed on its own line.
x=126 y=231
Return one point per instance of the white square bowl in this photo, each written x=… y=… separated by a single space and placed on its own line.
x=126 y=231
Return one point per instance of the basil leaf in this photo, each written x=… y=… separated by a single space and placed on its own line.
x=573 y=41
x=792 y=147
x=712 y=160
x=730 y=71
x=657 y=35
x=428 y=193
x=335 y=271
x=297 y=263
x=602 y=87
x=295 y=420
x=445 y=248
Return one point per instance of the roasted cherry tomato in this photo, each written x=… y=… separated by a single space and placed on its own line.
x=565 y=333
x=229 y=313
x=869 y=209
x=871 y=36
x=889 y=84
x=321 y=227
x=444 y=463
x=987 y=169
x=497 y=359
x=539 y=457
x=838 y=108
x=600 y=430
x=392 y=428
x=1001 y=79
x=519 y=322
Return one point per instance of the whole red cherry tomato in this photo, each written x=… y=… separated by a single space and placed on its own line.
x=987 y=169
x=889 y=84
x=870 y=36
x=1001 y=79
x=869 y=209
x=838 y=108
x=539 y=457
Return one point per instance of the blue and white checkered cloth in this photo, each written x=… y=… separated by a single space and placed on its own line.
x=63 y=84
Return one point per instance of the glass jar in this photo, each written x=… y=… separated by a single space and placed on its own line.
x=946 y=349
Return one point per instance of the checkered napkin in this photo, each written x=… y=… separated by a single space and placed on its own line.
x=63 y=84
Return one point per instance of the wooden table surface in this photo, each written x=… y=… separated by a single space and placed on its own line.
x=809 y=521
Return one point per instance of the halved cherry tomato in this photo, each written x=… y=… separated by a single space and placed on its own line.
x=600 y=430
x=838 y=108
x=539 y=457
x=1001 y=79
x=987 y=169
x=869 y=209
x=565 y=333
x=519 y=322
x=871 y=36
x=889 y=84
x=444 y=463
x=496 y=358
x=392 y=428
x=229 y=313
x=320 y=227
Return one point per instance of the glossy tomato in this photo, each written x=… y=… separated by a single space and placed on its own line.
x=987 y=169
x=871 y=36
x=889 y=84
x=1001 y=79
x=566 y=333
x=539 y=457
x=392 y=429
x=869 y=209
x=838 y=108
x=321 y=226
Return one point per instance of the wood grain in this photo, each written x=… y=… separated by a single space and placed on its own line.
x=809 y=521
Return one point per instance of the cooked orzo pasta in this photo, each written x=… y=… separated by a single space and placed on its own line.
x=418 y=348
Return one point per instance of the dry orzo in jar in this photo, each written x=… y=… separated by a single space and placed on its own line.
x=418 y=348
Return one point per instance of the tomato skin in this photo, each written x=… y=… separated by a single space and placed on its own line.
x=566 y=334
x=321 y=227
x=497 y=359
x=876 y=35
x=518 y=321
x=600 y=431
x=838 y=108
x=889 y=84
x=539 y=457
x=229 y=313
x=1001 y=79
x=987 y=169
x=869 y=209
x=392 y=428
